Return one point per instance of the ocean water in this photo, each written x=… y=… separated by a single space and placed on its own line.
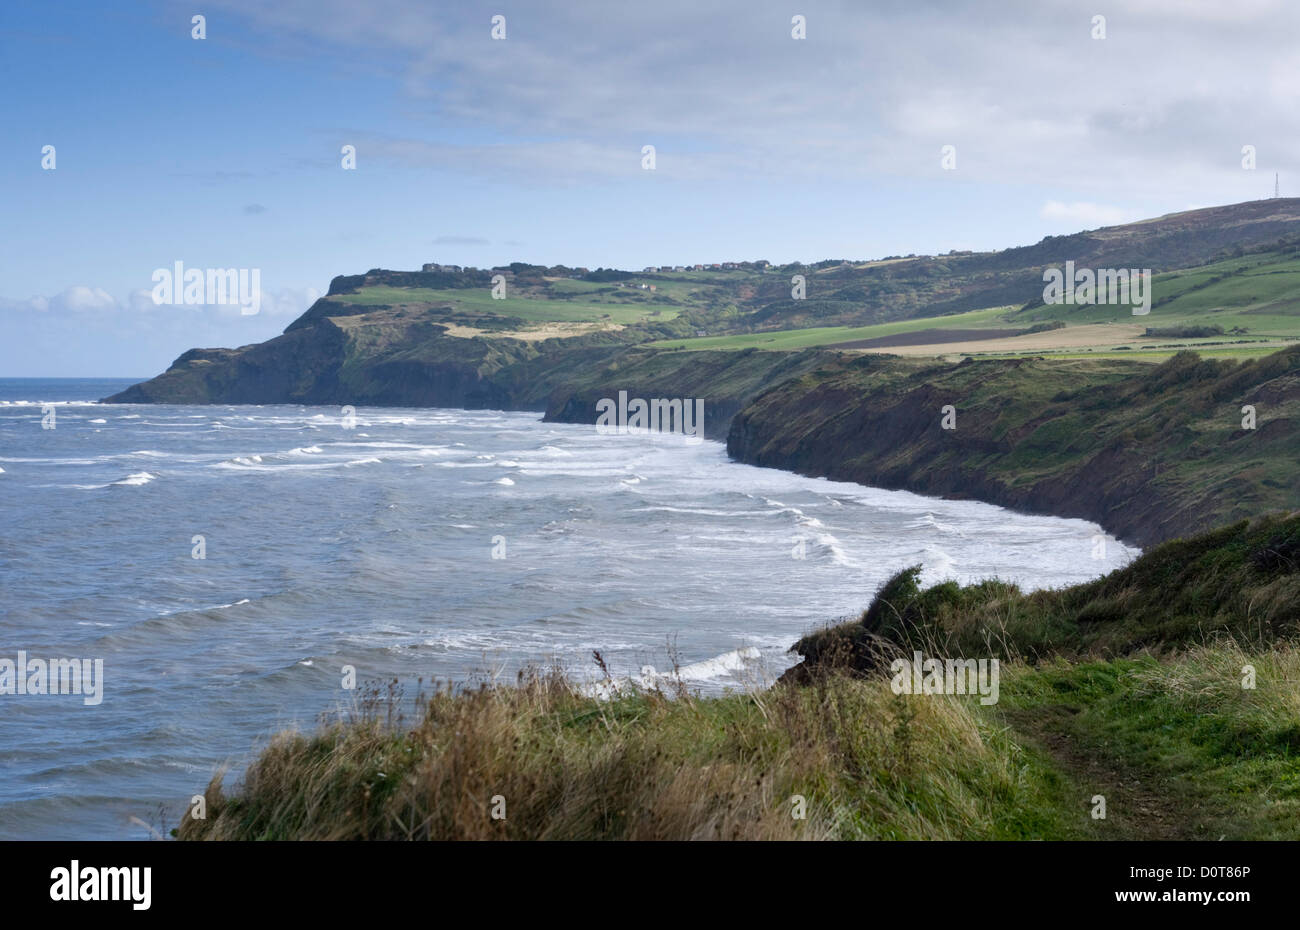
x=375 y=547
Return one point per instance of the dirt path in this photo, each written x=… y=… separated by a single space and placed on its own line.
x=1138 y=806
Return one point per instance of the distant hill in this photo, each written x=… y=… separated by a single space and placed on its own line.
x=441 y=338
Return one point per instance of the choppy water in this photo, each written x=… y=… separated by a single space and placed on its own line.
x=373 y=547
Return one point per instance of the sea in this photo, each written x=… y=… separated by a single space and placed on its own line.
x=240 y=570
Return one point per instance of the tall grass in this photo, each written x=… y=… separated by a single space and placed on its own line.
x=867 y=763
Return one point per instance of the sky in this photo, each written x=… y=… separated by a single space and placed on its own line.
x=226 y=151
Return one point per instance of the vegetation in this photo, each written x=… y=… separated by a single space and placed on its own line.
x=1045 y=327
x=413 y=338
x=1148 y=451
x=1241 y=582
x=1142 y=705
x=1129 y=687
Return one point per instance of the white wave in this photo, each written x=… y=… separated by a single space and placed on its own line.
x=422 y=448
x=99 y=420
x=471 y=641
x=719 y=666
x=937 y=562
x=716 y=668
x=708 y=513
x=506 y=481
x=47 y=403
x=830 y=545
x=929 y=522
x=139 y=478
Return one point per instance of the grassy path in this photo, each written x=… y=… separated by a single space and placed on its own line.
x=1179 y=749
x=1139 y=806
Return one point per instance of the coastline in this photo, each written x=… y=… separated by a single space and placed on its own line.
x=1063 y=639
x=1148 y=452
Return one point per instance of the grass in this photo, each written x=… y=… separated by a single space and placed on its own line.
x=1243 y=353
x=532 y=309
x=1225 y=757
x=858 y=761
x=1240 y=581
x=1253 y=298
x=784 y=340
x=1149 y=451
x=1167 y=688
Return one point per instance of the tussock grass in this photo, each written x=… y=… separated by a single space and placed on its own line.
x=646 y=766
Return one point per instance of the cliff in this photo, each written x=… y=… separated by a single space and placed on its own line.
x=1149 y=452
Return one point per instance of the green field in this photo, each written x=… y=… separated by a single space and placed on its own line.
x=479 y=301
x=1254 y=299
x=1241 y=353
x=787 y=339
x=1260 y=293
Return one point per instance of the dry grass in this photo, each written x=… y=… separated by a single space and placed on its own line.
x=646 y=766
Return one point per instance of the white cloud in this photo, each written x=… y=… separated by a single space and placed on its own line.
x=286 y=303
x=1020 y=87
x=79 y=298
x=87 y=330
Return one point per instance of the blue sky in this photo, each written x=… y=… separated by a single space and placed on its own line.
x=225 y=152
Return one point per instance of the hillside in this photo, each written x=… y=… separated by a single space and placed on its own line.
x=1149 y=452
x=440 y=338
x=1064 y=413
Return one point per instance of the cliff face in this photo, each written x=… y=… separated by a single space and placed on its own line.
x=298 y=367
x=724 y=380
x=387 y=358
x=382 y=358
x=1148 y=452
